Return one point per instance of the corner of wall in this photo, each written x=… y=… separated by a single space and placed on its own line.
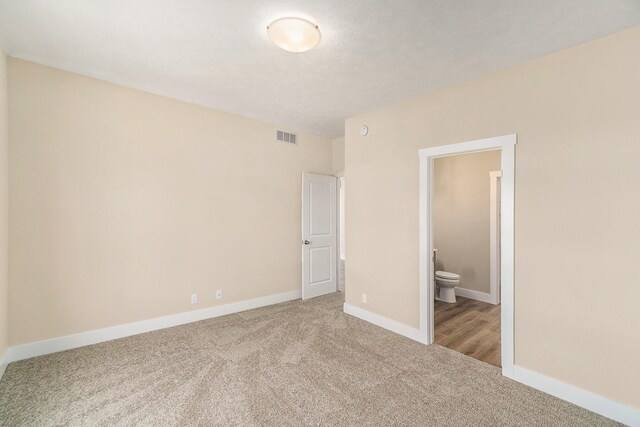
x=337 y=146
x=4 y=212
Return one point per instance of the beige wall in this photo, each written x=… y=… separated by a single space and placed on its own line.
x=461 y=216
x=338 y=155
x=4 y=201
x=576 y=114
x=123 y=204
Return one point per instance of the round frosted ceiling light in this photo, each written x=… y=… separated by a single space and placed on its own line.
x=294 y=34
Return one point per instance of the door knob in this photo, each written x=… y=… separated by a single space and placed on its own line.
x=305 y=242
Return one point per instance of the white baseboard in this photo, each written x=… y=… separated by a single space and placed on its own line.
x=614 y=410
x=593 y=402
x=478 y=296
x=26 y=351
x=383 y=322
x=3 y=364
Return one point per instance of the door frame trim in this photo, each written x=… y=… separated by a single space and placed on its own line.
x=494 y=244
x=505 y=144
x=339 y=230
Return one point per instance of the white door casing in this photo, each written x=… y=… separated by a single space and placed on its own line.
x=506 y=144
x=319 y=235
x=494 y=236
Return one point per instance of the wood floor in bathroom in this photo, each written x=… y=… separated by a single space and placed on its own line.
x=470 y=327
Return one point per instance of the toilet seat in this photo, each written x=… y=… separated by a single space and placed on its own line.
x=446 y=276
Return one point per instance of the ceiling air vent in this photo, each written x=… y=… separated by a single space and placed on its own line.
x=286 y=137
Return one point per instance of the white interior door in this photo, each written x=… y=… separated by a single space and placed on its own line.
x=319 y=235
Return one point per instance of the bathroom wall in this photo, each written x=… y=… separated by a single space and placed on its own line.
x=123 y=204
x=461 y=216
x=576 y=205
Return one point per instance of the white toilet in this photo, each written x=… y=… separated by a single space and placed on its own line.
x=446 y=286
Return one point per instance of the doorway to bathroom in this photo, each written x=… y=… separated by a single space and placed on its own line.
x=466 y=248
x=465 y=205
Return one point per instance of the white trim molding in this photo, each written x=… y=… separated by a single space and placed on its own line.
x=585 y=399
x=340 y=262
x=54 y=345
x=383 y=322
x=506 y=145
x=476 y=295
x=494 y=236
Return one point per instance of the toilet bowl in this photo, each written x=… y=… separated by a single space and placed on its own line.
x=446 y=286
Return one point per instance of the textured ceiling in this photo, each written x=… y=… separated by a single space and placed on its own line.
x=373 y=52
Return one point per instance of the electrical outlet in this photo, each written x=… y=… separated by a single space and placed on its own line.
x=364 y=298
x=194 y=299
x=219 y=294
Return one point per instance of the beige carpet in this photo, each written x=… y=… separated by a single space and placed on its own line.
x=293 y=364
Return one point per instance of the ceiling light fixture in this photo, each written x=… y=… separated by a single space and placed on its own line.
x=294 y=35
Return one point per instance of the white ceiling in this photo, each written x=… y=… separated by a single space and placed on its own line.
x=373 y=52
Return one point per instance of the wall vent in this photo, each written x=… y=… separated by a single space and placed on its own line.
x=286 y=137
